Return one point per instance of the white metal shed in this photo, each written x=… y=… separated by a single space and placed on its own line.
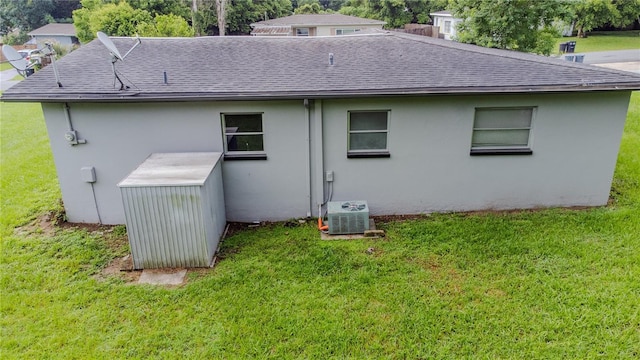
x=174 y=210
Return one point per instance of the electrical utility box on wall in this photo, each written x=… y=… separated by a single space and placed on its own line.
x=174 y=209
x=347 y=217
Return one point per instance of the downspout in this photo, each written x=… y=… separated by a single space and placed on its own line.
x=318 y=148
x=307 y=115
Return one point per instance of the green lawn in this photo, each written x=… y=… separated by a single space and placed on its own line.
x=604 y=41
x=5 y=66
x=547 y=284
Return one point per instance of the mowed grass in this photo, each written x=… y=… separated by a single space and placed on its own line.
x=29 y=184
x=546 y=284
x=604 y=41
x=5 y=66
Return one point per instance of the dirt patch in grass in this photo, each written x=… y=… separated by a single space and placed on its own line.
x=43 y=225
x=121 y=267
x=48 y=224
x=52 y=223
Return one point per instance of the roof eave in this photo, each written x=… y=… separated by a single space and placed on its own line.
x=322 y=94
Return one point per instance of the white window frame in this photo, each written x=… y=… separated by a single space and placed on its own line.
x=447 y=26
x=299 y=31
x=239 y=154
x=504 y=149
x=362 y=153
x=346 y=31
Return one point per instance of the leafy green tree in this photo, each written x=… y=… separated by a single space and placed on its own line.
x=313 y=8
x=589 y=14
x=166 y=26
x=82 y=19
x=628 y=12
x=395 y=13
x=204 y=18
x=121 y=18
x=18 y=38
x=63 y=9
x=118 y=19
x=163 y=7
x=328 y=6
x=521 y=25
x=241 y=13
x=333 y=5
x=25 y=14
x=359 y=8
x=113 y=19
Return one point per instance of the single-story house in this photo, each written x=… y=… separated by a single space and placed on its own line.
x=387 y=118
x=63 y=34
x=446 y=22
x=314 y=25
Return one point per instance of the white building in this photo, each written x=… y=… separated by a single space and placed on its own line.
x=375 y=117
x=446 y=22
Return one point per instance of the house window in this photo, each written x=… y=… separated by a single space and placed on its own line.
x=447 y=27
x=368 y=134
x=346 y=31
x=243 y=136
x=502 y=131
x=302 y=32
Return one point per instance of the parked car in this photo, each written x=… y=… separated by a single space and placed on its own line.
x=31 y=55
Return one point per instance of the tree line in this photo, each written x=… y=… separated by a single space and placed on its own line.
x=523 y=25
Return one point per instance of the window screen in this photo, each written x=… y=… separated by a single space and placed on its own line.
x=243 y=132
x=368 y=130
x=502 y=128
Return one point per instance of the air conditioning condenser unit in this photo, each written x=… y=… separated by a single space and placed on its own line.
x=347 y=217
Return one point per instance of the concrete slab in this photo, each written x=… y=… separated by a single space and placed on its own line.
x=372 y=226
x=5 y=79
x=632 y=66
x=171 y=277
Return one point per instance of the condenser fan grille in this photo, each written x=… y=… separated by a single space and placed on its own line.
x=353 y=206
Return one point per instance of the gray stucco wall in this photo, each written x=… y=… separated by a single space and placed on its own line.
x=66 y=41
x=575 y=141
x=121 y=136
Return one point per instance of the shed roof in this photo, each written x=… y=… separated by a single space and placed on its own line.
x=237 y=68
x=54 y=30
x=442 y=13
x=318 y=20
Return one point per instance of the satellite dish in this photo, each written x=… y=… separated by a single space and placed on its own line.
x=14 y=57
x=104 y=39
x=24 y=67
x=115 y=56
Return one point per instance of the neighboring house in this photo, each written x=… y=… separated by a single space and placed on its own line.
x=392 y=121
x=314 y=25
x=63 y=34
x=446 y=22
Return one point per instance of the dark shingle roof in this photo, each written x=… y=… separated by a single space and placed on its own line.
x=318 y=20
x=231 y=67
x=54 y=30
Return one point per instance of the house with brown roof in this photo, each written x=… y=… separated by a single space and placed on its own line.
x=386 y=117
x=63 y=34
x=314 y=25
